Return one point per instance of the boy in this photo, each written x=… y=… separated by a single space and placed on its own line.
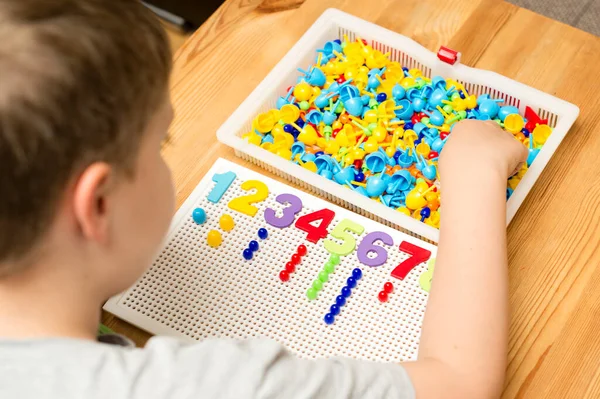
x=84 y=108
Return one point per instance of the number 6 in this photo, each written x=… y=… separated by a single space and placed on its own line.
x=368 y=245
x=340 y=233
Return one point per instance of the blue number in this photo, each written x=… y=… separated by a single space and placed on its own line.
x=223 y=181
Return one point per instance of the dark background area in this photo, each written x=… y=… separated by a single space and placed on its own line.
x=583 y=14
x=193 y=11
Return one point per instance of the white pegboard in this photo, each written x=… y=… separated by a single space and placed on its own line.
x=196 y=292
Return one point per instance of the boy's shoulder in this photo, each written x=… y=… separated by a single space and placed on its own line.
x=113 y=367
x=169 y=368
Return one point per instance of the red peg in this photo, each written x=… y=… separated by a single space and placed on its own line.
x=301 y=250
x=415 y=119
x=433 y=154
x=443 y=135
x=290 y=267
x=341 y=79
x=358 y=164
x=284 y=276
x=383 y=296
x=530 y=125
x=295 y=259
x=388 y=288
x=534 y=118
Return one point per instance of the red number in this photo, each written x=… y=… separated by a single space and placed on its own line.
x=315 y=233
x=418 y=255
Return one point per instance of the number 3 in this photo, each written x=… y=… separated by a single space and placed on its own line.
x=242 y=204
x=340 y=233
x=289 y=213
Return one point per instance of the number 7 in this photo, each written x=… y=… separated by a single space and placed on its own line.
x=418 y=256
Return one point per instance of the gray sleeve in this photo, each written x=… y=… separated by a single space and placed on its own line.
x=257 y=369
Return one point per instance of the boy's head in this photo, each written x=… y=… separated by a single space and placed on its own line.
x=84 y=108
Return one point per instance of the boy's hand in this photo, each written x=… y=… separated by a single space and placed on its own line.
x=468 y=359
x=478 y=146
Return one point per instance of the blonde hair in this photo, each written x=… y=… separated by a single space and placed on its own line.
x=79 y=82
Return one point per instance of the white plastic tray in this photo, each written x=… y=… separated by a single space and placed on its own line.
x=333 y=24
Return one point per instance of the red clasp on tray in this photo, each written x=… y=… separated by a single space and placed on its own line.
x=449 y=56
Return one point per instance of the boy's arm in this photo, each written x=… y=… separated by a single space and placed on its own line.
x=463 y=345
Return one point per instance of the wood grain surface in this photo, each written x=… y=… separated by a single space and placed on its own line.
x=553 y=240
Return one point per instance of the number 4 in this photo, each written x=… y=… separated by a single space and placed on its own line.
x=418 y=255
x=315 y=233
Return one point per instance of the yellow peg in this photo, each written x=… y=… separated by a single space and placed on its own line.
x=442 y=111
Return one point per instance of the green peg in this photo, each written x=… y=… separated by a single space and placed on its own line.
x=317 y=285
x=311 y=293
x=334 y=259
x=323 y=276
x=329 y=268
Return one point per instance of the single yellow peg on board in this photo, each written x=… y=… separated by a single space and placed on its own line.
x=226 y=222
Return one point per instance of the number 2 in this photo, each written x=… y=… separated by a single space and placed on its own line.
x=242 y=204
x=315 y=233
x=341 y=232
x=289 y=213
x=223 y=181
x=418 y=255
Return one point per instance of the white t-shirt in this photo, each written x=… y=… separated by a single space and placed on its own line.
x=167 y=368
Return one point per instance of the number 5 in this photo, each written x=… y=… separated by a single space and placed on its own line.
x=341 y=232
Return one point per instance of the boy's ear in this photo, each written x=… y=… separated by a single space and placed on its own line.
x=90 y=201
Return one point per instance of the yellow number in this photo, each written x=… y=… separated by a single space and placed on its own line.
x=242 y=204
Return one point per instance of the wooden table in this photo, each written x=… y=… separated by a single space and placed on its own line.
x=554 y=239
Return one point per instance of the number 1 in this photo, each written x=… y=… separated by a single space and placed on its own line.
x=223 y=181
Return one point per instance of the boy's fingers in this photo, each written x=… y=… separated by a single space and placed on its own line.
x=517 y=169
x=522 y=158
